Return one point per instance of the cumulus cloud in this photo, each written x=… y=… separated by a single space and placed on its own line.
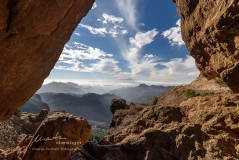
x=174 y=35
x=76 y=55
x=94 y=5
x=137 y=63
x=111 y=19
x=112 y=25
x=141 y=39
x=107 y=65
x=177 y=70
x=82 y=52
x=99 y=31
x=148 y=56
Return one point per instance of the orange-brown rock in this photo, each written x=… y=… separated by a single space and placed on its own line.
x=32 y=36
x=57 y=137
x=210 y=30
x=199 y=128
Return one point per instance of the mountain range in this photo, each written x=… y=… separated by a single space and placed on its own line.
x=34 y=105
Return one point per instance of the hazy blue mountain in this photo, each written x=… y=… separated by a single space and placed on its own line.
x=134 y=94
x=90 y=106
x=58 y=87
x=69 y=87
x=34 y=105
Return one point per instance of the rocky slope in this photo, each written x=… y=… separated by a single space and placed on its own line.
x=176 y=95
x=20 y=125
x=32 y=36
x=210 y=32
x=202 y=127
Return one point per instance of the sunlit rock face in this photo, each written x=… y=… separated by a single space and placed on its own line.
x=210 y=30
x=32 y=36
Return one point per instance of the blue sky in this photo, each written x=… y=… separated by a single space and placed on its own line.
x=127 y=42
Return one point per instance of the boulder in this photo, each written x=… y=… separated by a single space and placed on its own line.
x=57 y=137
x=32 y=36
x=210 y=30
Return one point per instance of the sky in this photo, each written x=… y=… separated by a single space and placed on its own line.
x=127 y=42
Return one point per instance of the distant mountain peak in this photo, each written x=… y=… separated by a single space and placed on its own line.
x=143 y=85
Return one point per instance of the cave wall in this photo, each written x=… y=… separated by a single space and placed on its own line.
x=32 y=36
x=210 y=30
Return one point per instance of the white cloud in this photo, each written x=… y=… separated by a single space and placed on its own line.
x=76 y=55
x=177 y=70
x=76 y=33
x=100 y=31
x=141 y=39
x=148 y=56
x=124 y=31
x=111 y=19
x=82 y=52
x=128 y=9
x=112 y=26
x=107 y=65
x=137 y=63
x=94 y=5
x=174 y=35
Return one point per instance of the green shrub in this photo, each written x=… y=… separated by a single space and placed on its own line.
x=206 y=94
x=155 y=101
x=220 y=82
x=189 y=94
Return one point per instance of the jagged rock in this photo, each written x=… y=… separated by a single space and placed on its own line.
x=210 y=32
x=57 y=137
x=32 y=36
x=118 y=104
x=199 y=128
x=18 y=113
x=119 y=109
x=18 y=128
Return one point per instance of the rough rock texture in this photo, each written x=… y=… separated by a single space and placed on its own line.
x=118 y=104
x=18 y=127
x=176 y=95
x=199 y=128
x=119 y=109
x=32 y=36
x=210 y=30
x=57 y=137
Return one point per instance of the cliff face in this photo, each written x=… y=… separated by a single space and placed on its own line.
x=32 y=36
x=210 y=31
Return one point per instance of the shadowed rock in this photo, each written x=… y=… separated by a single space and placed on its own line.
x=210 y=30
x=32 y=36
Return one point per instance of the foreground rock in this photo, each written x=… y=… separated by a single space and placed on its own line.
x=32 y=36
x=210 y=30
x=61 y=134
x=56 y=137
x=199 y=128
x=18 y=127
